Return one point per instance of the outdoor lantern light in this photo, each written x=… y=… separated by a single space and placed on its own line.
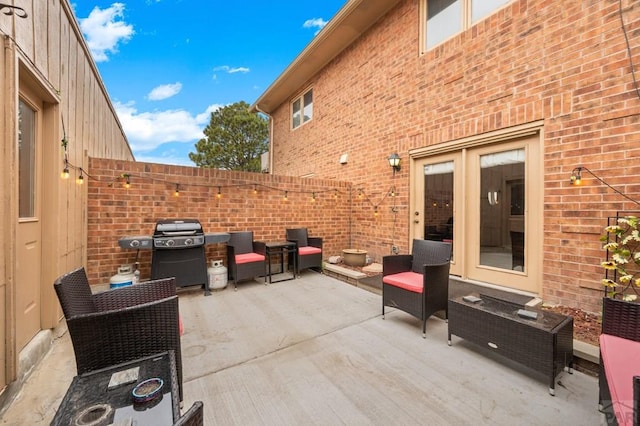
x=394 y=162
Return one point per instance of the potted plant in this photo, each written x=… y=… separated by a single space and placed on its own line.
x=622 y=265
x=621 y=304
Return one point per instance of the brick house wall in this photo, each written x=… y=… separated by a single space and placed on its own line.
x=563 y=62
x=114 y=211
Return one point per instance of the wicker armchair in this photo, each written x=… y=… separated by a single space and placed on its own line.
x=193 y=417
x=308 y=249
x=619 y=319
x=122 y=324
x=418 y=283
x=245 y=257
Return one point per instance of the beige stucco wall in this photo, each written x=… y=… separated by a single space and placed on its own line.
x=46 y=53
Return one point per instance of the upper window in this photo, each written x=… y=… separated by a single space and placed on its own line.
x=446 y=18
x=302 y=109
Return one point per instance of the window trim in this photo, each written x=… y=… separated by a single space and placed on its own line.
x=300 y=97
x=466 y=22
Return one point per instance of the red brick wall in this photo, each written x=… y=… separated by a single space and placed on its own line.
x=114 y=211
x=564 y=62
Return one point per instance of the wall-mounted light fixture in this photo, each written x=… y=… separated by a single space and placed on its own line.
x=576 y=179
x=576 y=176
x=492 y=197
x=394 y=162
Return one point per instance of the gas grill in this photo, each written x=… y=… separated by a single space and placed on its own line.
x=178 y=251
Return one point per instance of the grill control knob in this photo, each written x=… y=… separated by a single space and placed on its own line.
x=188 y=241
x=170 y=243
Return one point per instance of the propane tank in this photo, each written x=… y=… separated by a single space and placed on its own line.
x=217 y=274
x=123 y=278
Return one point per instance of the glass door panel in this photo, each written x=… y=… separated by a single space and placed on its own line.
x=501 y=223
x=436 y=189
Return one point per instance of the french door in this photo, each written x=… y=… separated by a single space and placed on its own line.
x=487 y=201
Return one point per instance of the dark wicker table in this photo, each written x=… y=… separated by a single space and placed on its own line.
x=544 y=345
x=91 y=390
x=281 y=249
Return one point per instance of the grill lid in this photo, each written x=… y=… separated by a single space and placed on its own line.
x=174 y=227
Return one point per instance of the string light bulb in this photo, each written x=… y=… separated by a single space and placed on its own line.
x=219 y=194
x=80 y=178
x=255 y=189
x=65 y=173
x=127 y=182
x=375 y=212
x=576 y=176
x=177 y=191
x=360 y=194
x=286 y=195
x=313 y=197
x=335 y=194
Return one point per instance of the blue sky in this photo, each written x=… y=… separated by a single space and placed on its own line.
x=167 y=64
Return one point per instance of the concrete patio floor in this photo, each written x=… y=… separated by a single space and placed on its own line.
x=316 y=351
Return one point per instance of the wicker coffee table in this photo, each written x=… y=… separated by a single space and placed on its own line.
x=544 y=345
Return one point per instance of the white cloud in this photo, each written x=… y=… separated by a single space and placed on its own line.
x=318 y=23
x=103 y=31
x=164 y=91
x=230 y=70
x=148 y=130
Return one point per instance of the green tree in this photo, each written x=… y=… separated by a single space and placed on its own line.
x=234 y=139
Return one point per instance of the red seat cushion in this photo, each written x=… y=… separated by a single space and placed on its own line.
x=411 y=281
x=620 y=359
x=248 y=258
x=308 y=250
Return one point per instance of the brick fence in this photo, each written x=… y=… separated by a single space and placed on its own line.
x=247 y=201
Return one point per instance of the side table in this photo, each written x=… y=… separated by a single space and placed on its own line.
x=90 y=393
x=280 y=249
x=544 y=344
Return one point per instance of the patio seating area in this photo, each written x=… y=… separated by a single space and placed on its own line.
x=316 y=350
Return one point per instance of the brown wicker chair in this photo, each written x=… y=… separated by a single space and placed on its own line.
x=193 y=417
x=620 y=319
x=122 y=324
x=418 y=283
x=308 y=249
x=245 y=257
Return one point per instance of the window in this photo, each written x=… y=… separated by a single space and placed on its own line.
x=27 y=160
x=302 y=109
x=445 y=18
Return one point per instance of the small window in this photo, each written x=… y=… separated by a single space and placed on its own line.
x=26 y=160
x=302 y=109
x=445 y=18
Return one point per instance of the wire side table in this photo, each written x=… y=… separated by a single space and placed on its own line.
x=279 y=250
